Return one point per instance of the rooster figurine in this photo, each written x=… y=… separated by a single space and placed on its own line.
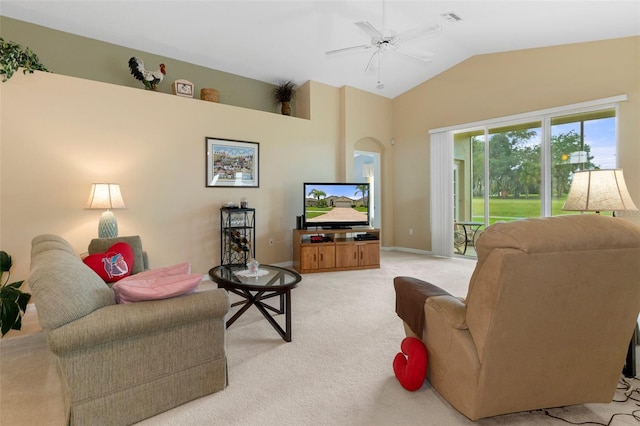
x=150 y=79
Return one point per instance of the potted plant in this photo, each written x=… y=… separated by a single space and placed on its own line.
x=13 y=302
x=13 y=56
x=283 y=93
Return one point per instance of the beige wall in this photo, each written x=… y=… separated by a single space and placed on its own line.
x=366 y=115
x=68 y=54
x=59 y=134
x=503 y=84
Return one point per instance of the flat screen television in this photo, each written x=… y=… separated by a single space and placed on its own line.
x=336 y=205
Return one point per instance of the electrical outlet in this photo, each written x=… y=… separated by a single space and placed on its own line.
x=410 y=231
x=270 y=241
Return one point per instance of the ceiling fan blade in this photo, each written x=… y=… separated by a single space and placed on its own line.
x=369 y=29
x=415 y=54
x=348 y=49
x=419 y=32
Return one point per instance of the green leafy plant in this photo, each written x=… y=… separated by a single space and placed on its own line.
x=282 y=94
x=13 y=56
x=284 y=91
x=13 y=302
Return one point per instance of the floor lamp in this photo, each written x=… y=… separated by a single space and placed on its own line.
x=599 y=190
x=603 y=190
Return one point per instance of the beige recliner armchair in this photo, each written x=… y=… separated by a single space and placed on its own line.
x=549 y=313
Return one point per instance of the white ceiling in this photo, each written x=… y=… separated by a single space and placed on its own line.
x=281 y=40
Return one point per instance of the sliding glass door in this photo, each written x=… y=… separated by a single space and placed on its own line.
x=514 y=169
x=580 y=142
x=499 y=179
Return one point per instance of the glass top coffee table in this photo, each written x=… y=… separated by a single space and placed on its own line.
x=269 y=282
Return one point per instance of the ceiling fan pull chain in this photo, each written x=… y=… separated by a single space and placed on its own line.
x=380 y=84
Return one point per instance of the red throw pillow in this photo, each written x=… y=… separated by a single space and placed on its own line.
x=412 y=368
x=113 y=265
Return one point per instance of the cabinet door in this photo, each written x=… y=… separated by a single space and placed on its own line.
x=326 y=257
x=368 y=254
x=346 y=255
x=308 y=257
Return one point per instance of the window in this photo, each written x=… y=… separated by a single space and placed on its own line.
x=521 y=166
x=505 y=173
x=580 y=142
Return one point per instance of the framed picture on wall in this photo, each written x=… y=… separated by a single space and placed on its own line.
x=232 y=163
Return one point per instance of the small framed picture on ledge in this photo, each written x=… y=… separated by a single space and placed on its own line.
x=183 y=88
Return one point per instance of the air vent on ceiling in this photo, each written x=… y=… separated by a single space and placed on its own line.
x=451 y=17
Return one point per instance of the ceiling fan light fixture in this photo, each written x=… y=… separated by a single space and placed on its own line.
x=451 y=17
x=384 y=40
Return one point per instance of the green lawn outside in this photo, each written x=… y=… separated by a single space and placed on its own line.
x=317 y=211
x=507 y=209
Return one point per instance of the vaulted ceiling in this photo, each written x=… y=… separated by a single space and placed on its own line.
x=274 y=41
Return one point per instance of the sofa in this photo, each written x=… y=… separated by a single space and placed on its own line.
x=120 y=364
x=549 y=313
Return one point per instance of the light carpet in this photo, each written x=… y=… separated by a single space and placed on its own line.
x=336 y=371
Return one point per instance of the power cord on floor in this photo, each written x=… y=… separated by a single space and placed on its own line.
x=630 y=388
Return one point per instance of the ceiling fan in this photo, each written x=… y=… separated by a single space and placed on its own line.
x=383 y=41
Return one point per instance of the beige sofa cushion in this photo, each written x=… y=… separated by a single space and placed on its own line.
x=46 y=242
x=64 y=289
x=558 y=234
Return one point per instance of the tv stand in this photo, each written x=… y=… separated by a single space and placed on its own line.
x=335 y=249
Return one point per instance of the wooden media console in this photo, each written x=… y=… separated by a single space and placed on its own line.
x=326 y=250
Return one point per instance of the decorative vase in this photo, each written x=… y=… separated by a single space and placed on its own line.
x=210 y=95
x=286 y=108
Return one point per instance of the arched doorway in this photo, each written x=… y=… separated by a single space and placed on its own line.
x=366 y=168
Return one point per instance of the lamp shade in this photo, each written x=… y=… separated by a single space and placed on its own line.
x=599 y=190
x=105 y=196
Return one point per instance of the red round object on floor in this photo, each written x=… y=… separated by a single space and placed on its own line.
x=410 y=365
